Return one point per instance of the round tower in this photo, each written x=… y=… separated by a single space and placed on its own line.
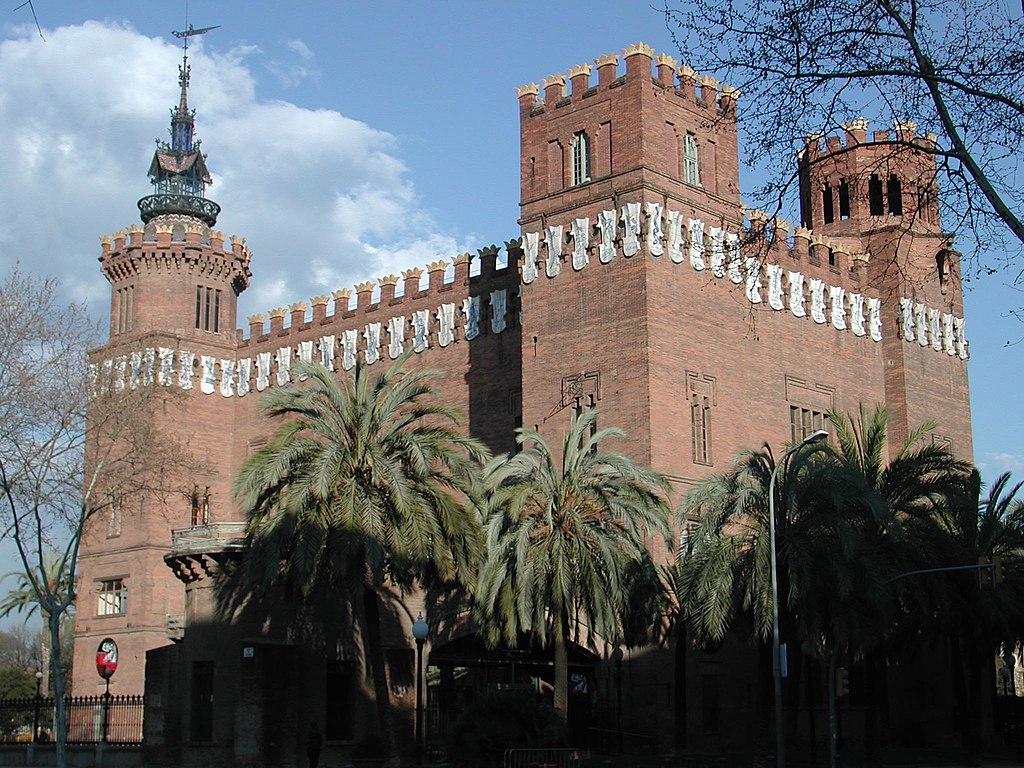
x=173 y=273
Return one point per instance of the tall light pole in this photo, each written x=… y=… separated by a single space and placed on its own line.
x=420 y=630
x=39 y=692
x=780 y=746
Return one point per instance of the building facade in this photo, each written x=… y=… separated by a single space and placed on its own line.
x=637 y=283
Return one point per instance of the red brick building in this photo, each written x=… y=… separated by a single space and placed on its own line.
x=638 y=283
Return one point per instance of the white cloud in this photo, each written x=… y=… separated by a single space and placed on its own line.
x=995 y=464
x=323 y=200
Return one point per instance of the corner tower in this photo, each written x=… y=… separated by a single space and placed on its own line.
x=173 y=273
x=174 y=286
x=878 y=192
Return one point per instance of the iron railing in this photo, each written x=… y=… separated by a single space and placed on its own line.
x=91 y=719
x=207 y=538
x=541 y=758
x=189 y=205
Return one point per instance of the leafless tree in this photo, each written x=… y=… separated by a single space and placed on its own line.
x=72 y=447
x=805 y=67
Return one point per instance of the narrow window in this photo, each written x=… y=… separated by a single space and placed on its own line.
x=700 y=417
x=895 y=195
x=844 y=200
x=827 y=204
x=206 y=309
x=201 y=730
x=876 y=203
x=593 y=425
x=580 y=158
x=831 y=257
x=112 y=598
x=199 y=306
x=215 y=325
x=114 y=519
x=926 y=202
x=691 y=165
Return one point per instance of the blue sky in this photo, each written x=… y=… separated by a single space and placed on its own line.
x=346 y=140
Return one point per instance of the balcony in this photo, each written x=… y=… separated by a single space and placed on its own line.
x=203 y=550
x=186 y=205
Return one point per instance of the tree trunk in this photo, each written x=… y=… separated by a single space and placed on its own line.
x=60 y=717
x=378 y=668
x=561 y=666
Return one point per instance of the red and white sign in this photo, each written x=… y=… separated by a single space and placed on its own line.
x=106 y=658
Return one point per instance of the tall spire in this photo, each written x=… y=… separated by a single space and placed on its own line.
x=178 y=170
x=182 y=120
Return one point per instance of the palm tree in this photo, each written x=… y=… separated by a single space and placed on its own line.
x=974 y=615
x=914 y=485
x=365 y=483
x=561 y=535
x=722 y=579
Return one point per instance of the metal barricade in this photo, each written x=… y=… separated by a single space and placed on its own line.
x=541 y=758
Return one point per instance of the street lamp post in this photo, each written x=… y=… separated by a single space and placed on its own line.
x=780 y=747
x=35 y=718
x=420 y=630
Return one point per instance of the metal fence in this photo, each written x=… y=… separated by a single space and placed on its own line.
x=542 y=758
x=91 y=719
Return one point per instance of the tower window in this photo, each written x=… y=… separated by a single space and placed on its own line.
x=827 y=204
x=125 y=298
x=580 y=158
x=895 y=195
x=691 y=165
x=207 y=309
x=876 y=203
x=844 y=200
x=114 y=518
x=700 y=429
x=112 y=598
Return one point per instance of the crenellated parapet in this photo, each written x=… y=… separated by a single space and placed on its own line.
x=441 y=316
x=869 y=178
x=639 y=58
x=171 y=246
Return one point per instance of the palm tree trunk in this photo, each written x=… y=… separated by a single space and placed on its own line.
x=562 y=666
x=378 y=668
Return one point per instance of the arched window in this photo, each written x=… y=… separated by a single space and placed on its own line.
x=691 y=165
x=580 y=158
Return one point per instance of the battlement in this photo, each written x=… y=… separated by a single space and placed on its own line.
x=639 y=58
x=368 y=300
x=164 y=243
x=855 y=134
x=868 y=178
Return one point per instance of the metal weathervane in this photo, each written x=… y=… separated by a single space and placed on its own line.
x=190 y=31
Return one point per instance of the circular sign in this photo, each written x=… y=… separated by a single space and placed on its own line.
x=106 y=658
